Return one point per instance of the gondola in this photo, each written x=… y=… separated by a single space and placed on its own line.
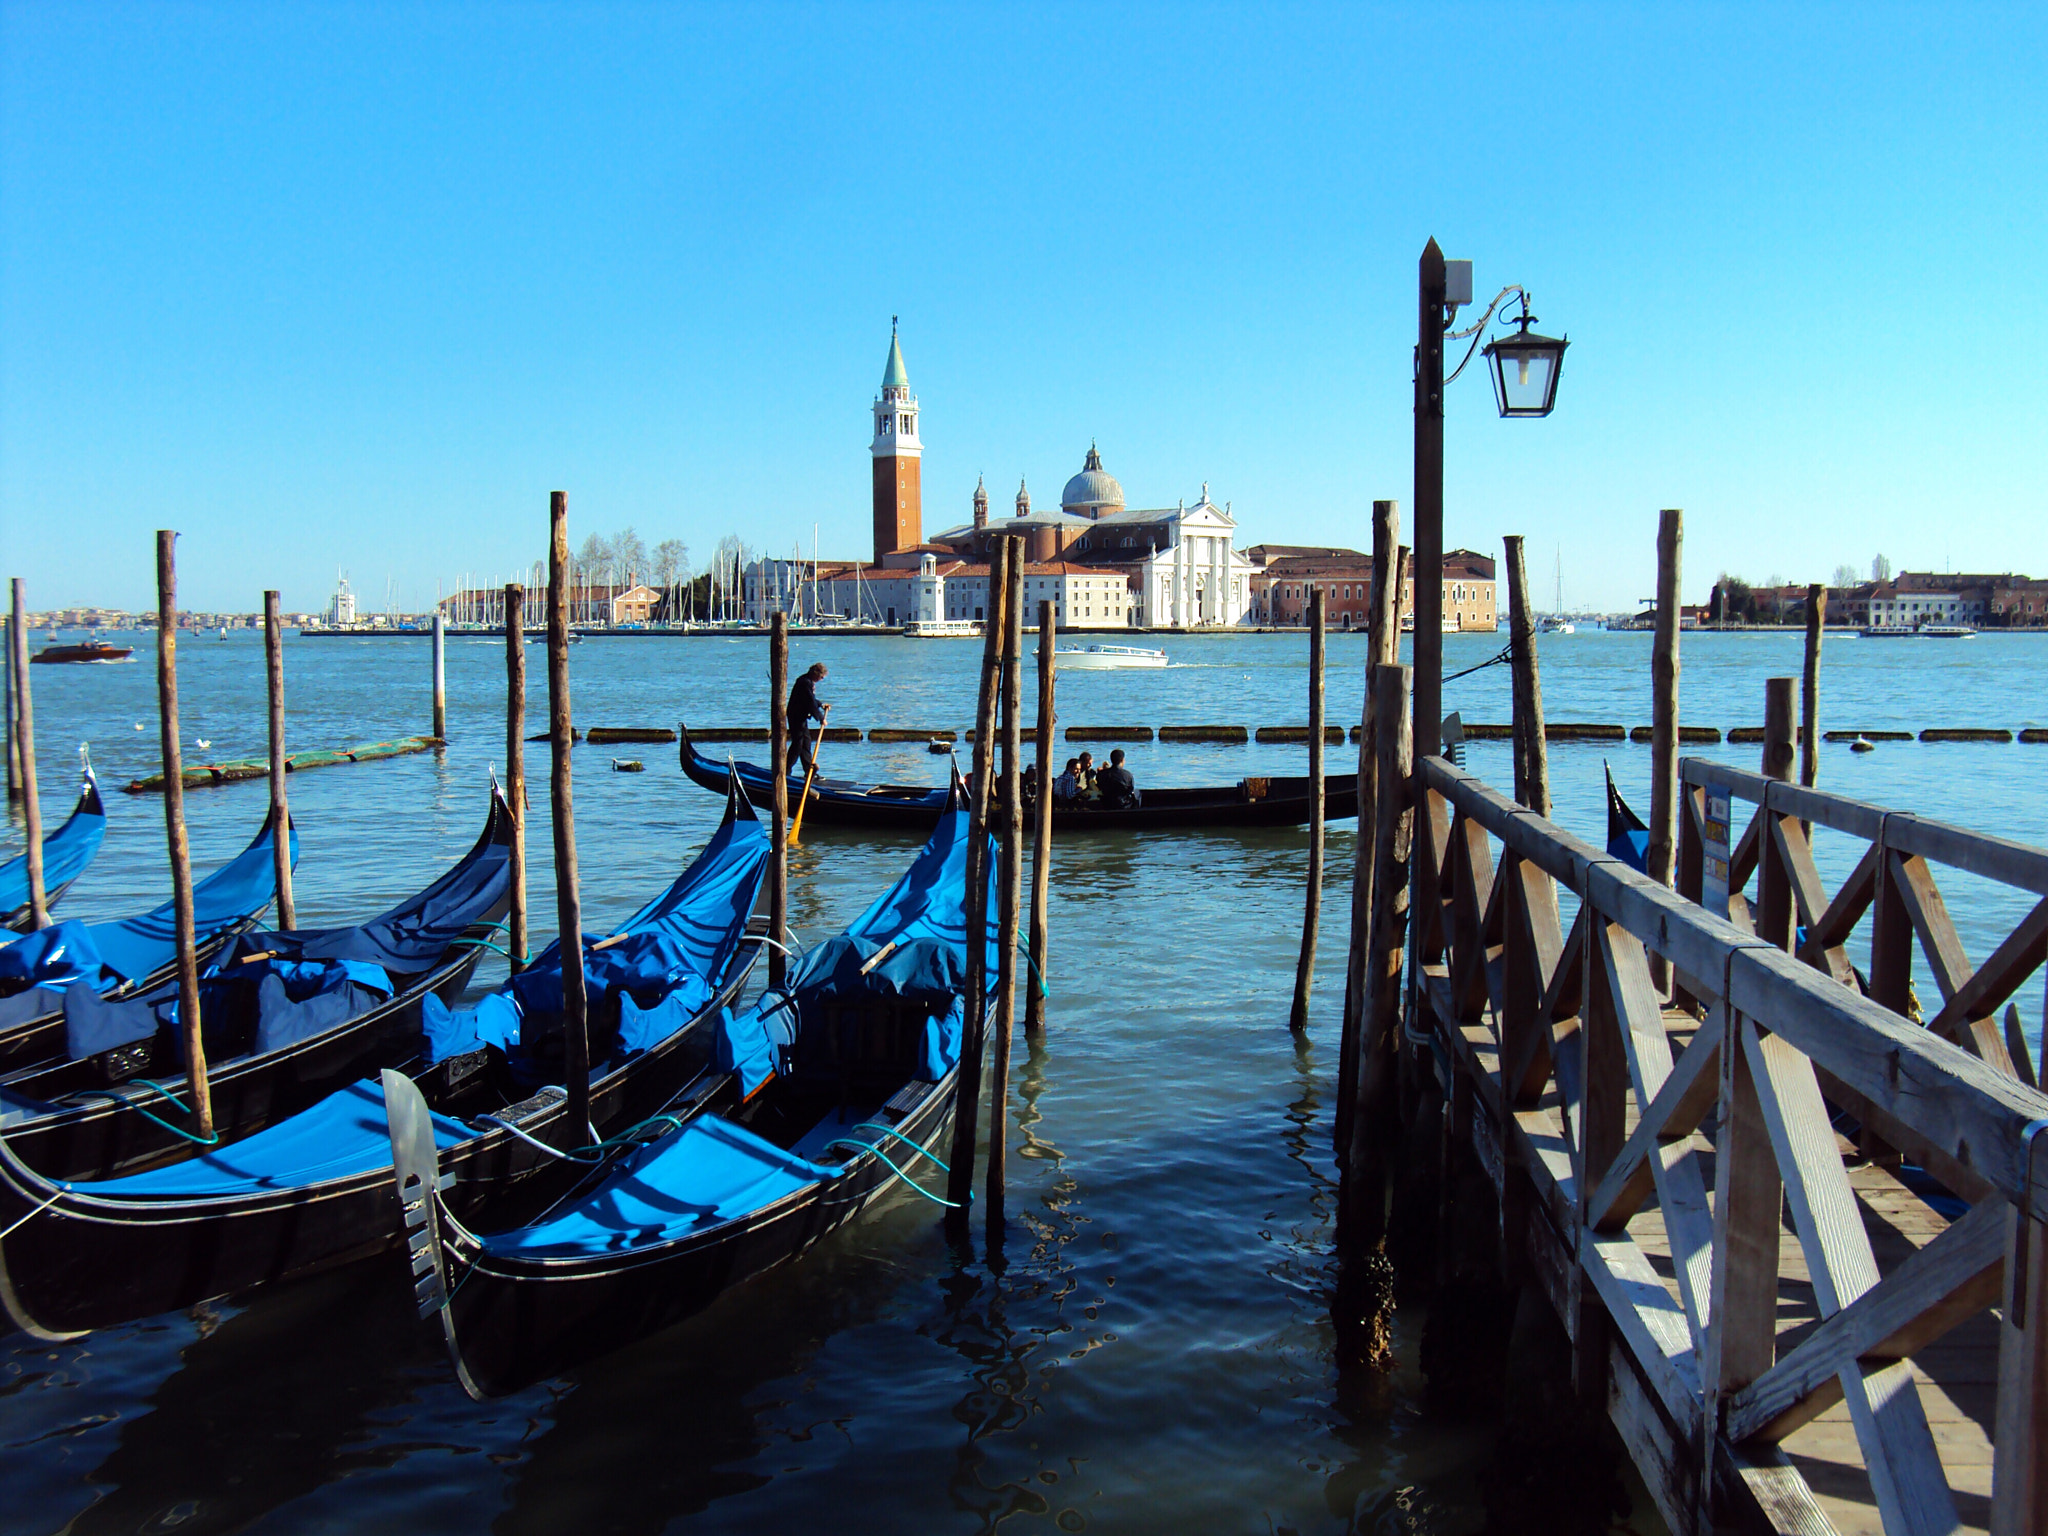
x=125 y=957
x=845 y=1081
x=315 y=1190
x=1250 y=802
x=1628 y=839
x=66 y=852
x=289 y=1016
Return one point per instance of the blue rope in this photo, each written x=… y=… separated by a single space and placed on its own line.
x=487 y=944
x=886 y=1130
x=908 y=1181
x=143 y=1110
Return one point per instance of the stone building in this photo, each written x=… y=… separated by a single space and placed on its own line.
x=1285 y=574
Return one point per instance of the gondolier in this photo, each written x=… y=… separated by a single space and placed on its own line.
x=804 y=707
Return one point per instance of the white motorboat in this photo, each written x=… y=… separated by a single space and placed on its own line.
x=1106 y=658
x=943 y=629
x=1554 y=625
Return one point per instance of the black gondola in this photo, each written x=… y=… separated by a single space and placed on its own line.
x=1628 y=839
x=289 y=1018
x=1250 y=802
x=315 y=1190
x=846 y=1079
x=66 y=852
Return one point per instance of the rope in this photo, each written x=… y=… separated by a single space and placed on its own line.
x=23 y=1221
x=143 y=1110
x=1507 y=655
x=487 y=944
x=887 y=1130
x=908 y=1181
x=1024 y=943
x=594 y=1153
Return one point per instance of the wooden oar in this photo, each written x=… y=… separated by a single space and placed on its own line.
x=796 y=827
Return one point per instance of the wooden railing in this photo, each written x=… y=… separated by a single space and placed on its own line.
x=1583 y=1092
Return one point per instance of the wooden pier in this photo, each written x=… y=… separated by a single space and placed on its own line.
x=1708 y=1186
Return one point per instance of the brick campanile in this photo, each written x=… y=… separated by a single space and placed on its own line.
x=898 y=455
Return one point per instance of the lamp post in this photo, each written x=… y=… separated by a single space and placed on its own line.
x=1525 y=367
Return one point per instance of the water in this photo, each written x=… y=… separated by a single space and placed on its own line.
x=1150 y=1351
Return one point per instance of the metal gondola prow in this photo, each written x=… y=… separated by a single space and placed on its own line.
x=415 y=1170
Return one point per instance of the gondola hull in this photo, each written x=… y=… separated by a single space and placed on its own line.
x=66 y=853
x=1256 y=802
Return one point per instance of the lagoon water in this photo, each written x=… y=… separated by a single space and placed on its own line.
x=1150 y=1351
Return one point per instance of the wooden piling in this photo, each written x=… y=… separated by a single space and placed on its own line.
x=1809 y=700
x=1532 y=760
x=1779 y=732
x=1662 y=855
x=280 y=814
x=25 y=741
x=1035 y=984
x=1776 y=917
x=967 y=1100
x=1008 y=894
x=440 y=679
x=515 y=765
x=13 y=748
x=1312 y=914
x=1367 y=1162
x=778 y=753
x=568 y=899
x=184 y=923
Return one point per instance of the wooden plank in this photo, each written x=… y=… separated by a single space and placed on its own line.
x=1939 y=940
x=1748 y=1197
x=1851 y=901
x=1605 y=1106
x=1680 y=1103
x=1795 y=855
x=1647 y=1318
x=1664 y=1454
x=1532 y=956
x=1993 y=858
x=1953 y=1278
x=1764 y=1479
x=1529 y=1065
x=1475 y=917
x=2019 y=1470
x=2003 y=972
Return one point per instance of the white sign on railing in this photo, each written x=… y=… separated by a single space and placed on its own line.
x=1715 y=853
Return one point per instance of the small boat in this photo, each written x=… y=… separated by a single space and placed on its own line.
x=314 y=1191
x=943 y=629
x=1628 y=838
x=289 y=1015
x=84 y=650
x=66 y=853
x=129 y=955
x=1250 y=802
x=1108 y=658
x=835 y=1087
x=1554 y=625
x=1917 y=632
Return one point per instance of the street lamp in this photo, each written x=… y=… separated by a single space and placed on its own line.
x=1525 y=368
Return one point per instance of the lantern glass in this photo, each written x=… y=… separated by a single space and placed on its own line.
x=1525 y=368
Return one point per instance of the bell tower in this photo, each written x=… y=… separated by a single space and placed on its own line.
x=899 y=493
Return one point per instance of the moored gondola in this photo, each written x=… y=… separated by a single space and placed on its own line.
x=1250 y=802
x=315 y=1190
x=845 y=1085
x=1628 y=839
x=66 y=853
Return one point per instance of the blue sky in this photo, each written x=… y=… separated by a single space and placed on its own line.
x=357 y=285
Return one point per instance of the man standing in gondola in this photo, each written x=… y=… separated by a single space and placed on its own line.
x=804 y=707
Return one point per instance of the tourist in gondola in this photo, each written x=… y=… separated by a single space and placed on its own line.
x=1085 y=789
x=1068 y=785
x=804 y=707
x=1118 y=790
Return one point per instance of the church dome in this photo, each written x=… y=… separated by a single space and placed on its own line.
x=1094 y=490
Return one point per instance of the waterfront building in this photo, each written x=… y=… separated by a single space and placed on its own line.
x=898 y=456
x=341 y=608
x=1285 y=574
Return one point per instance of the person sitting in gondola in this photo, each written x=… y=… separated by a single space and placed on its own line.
x=1028 y=783
x=1119 y=791
x=804 y=707
x=1067 y=787
x=1085 y=789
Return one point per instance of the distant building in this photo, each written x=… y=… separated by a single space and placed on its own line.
x=1282 y=582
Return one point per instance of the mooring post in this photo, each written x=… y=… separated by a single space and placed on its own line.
x=1009 y=894
x=1775 y=914
x=1532 y=757
x=568 y=899
x=1662 y=856
x=183 y=921
x=1809 y=700
x=1429 y=501
x=778 y=754
x=280 y=815
x=1312 y=914
x=13 y=747
x=25 y=739
x=1036 y=985
x=1362 y=1196
x=515 y=764
x=440 y=678
x=967 y=1100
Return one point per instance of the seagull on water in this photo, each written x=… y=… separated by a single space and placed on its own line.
x=201 y=743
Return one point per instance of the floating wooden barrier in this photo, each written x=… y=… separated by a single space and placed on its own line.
x=1332 y=734
x=887 y=734
x=1701 y=735
x=203 y=774
x=1565 y=730
x=613 y=735
x=1866 y=735
x=731 y=733
x=1965 y=733
x=2035 y=735
x=1228 y=735
x=1117 y=732
x=575 y=735
x=839 y=733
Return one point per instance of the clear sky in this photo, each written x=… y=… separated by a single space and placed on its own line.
x=355 y=286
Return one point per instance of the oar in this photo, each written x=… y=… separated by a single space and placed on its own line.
x=796 y=827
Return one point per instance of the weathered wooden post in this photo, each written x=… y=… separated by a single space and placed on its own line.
x=967 y=1101
x=778 y=754
x=515 y=764
x=1362 y=1196
x=1532 y=758
x=13 y=746
x=1011 y=889
x=280 y=815
x=1035 y=984
x=1312 y=915
x=183 y=920
x=25 y=740
x=1809 y=711
x=2019 y=1465
x=440 y=678
x=1775 y=913
x=1662 y=857
x=568 y=899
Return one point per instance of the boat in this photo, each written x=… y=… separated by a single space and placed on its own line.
x=1107 y=658
x=130 y=955
x=943 y=629
x=66 y=853
x=1555 y=624
x=839 y=1084
x=290 y=1015
x=314 y=1191
x=84 y=650
x=1250 y=802
x=1917 y=632
x=1628 y=838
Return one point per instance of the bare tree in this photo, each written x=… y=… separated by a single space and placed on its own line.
x=1880 y=569
x=671 y=560
x=1845 y=576
x=629 y=556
